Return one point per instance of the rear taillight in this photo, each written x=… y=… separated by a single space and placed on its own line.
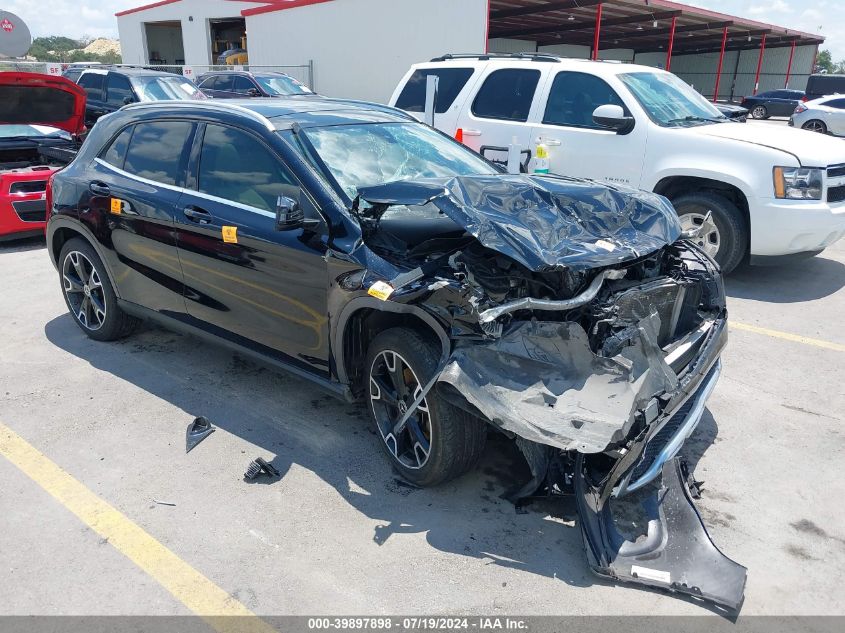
x=48 y=196
x=804 y=99
x=801 y=108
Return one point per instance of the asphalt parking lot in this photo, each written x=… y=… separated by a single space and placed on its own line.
x=337 y=534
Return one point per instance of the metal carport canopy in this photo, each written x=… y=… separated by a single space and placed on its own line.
x=640 y=25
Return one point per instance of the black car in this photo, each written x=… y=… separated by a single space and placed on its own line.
x=733 y=112
x=239 y=84
x=110 y=89
x=773 y=103
x=823 y=85
x=362 y=250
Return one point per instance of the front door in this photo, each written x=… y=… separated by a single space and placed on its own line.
x=244 y=280
x=577 y=146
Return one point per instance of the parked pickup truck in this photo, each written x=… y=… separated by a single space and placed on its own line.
x=765 y=192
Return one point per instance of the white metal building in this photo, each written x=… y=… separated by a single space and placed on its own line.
x=361 y=48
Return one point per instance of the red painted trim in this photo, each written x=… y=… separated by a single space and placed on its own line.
x=597 y=35
x=759 y=64
x=671 y=43
x=721 y=59
x=789 y=66
x=281 y=6
x=145 y=7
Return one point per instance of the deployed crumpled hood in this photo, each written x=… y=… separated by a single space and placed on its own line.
x=812 y=150
x=35 y=99
x=544 y=222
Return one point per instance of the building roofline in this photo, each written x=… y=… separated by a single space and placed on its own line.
x=162 y=3
x=281 y=5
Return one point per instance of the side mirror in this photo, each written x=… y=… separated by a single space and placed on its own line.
x=254 y=92
x=613 y=117
x=128 y=100
x=289 y=214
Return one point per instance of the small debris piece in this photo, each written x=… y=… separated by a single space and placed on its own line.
x=197 y=431
x=164 y=503
x=258 y=467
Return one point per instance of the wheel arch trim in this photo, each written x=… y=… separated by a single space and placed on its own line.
x=58 y=222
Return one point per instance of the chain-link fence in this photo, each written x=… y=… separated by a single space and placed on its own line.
x=304 y=73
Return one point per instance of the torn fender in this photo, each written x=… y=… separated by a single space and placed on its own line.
x=542 y=381
x=675 y=553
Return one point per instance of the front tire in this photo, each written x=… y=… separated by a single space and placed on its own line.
x=759 y=112
x=439 y=442
x=89 y=294
x=726 y=243
x=815 y=126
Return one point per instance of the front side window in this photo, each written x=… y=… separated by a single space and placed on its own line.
x=507 y=94
x=372 y=154
x=242 y=84
x=152 y=88
x=669 y=101
x=118 y=90
x=157 y=149
x=93 y=85
x=116 y=153
x=573 y=98
x=236 y=166
x=450 y=83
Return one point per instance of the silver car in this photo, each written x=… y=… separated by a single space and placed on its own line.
x=825 y=115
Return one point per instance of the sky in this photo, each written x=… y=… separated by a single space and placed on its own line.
x=95 y=18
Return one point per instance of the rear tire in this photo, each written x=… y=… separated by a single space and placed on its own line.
x=89 y=294
x=759 y=112
x=439 y=442
x=728 y=245
x=815 y=125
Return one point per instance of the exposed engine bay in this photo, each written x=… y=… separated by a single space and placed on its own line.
x=583 y=326
x=35 y=157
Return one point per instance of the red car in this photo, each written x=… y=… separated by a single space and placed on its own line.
x=41 y=118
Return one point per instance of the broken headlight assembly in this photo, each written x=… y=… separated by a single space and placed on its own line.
x=797 y=183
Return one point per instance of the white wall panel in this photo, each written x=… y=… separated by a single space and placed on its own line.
x=361 y=48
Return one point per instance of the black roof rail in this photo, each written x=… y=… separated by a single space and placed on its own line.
x=536 y=57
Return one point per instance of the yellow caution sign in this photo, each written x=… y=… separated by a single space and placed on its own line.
x=380 y=290
x=230 y=234
x=116 y=206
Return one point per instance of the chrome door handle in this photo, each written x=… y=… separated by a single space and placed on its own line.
x=469 y=132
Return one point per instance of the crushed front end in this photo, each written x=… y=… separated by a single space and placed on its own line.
x=585 y=327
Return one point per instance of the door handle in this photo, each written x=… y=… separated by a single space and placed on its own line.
x=551 y=142
x=195 y=214
x=469 y=132
x=99 y=188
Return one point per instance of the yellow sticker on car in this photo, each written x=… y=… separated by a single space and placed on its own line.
x=116 y=206
x=380 y=290
x=230 y=234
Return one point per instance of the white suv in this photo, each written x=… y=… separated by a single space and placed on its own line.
x=771 y=191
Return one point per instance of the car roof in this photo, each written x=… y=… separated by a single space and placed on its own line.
x=131 y=72
x=283 y=112
x=536 y=60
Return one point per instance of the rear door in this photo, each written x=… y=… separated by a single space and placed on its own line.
x=834 y=116
x=577 y=146
x=498 y=114
x=246 y=281
x=134 y=187
x=224 y=87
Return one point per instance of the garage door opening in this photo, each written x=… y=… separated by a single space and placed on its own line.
x=228 y=41
x=164 y=43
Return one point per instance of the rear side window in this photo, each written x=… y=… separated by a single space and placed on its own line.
x=93 y=84
x=235 y=166
x=118 y=90
x=836 y=103
x=116 y=153
x=451 y=82
x=507 y=94
x=157 y=149
x=574 y=97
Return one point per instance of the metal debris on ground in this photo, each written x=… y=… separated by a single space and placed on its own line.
x=258 y=467
x=197 y=431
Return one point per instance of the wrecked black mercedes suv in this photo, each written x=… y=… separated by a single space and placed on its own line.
x=354 y=246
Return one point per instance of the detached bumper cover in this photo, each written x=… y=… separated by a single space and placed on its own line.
x=676 y=553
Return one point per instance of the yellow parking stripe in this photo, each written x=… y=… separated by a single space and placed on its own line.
x=786 y=336
x=188 y=586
